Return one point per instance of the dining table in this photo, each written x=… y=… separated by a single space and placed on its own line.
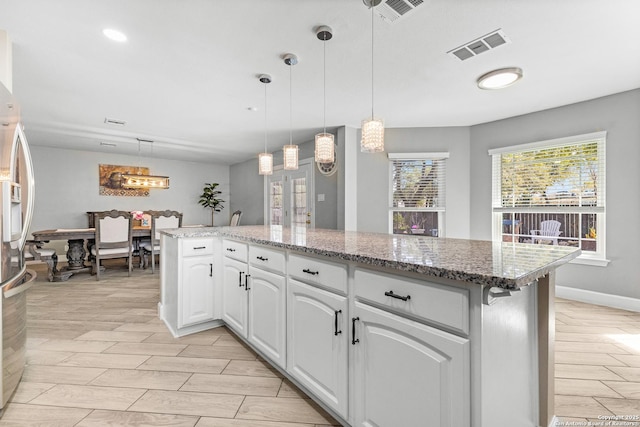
x=80 y=241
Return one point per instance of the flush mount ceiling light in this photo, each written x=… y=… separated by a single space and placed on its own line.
x=498 y=79
x=372 y=128
x=265 y=160
x=290 y=151
x=115 y=35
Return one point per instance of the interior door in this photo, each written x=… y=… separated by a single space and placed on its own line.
x=289 y=196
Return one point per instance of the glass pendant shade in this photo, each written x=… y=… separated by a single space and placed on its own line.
x=324 y=148
x=372 y=136
x=265 y=163
x=290 y=156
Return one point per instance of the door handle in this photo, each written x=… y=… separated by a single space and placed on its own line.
x=240 y=279
x=396 y=296
x=354 y=340
x=210 y=270
x=335 y=327
x=313 y=273
x=246 y=282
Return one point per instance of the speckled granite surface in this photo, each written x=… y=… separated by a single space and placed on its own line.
x=505 y=265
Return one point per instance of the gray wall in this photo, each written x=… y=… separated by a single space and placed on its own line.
x=619 y=115
x=67 y=187
x=247 y=189
x=373 y=176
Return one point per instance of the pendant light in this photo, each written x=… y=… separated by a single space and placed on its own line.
x=372 y=128
x=140 y=181
x=324 y=141
x=290 y=152
x=265 y=160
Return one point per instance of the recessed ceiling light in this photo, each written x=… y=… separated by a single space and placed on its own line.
x=114 y=35
x=498 y=79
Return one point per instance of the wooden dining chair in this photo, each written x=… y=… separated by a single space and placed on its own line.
x=159 y=220
x=113 y=238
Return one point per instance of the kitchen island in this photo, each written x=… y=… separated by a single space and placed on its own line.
x=386 y=330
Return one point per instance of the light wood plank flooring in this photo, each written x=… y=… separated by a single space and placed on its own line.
x=98 y=355
x=597 y=364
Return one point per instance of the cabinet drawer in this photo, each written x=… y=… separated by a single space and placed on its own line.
x=327 y=274
x=432 y=302
x=267 y=259
x=235 y=250
x=195 y=247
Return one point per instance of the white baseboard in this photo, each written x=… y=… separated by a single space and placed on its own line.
x=598 y=298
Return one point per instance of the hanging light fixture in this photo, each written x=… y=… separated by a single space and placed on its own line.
x=265 y=160
x=324 y=141
x=372 y=128
x=290 y=151
x=139 y=180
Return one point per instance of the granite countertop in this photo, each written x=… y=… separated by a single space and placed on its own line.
x=501 y=264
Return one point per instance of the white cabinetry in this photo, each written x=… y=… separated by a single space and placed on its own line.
x=317 y=343
x=234 y=295
x=407 y=373
x=190 y=277
x=254 y=297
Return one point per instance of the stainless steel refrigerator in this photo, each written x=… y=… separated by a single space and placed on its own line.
x=16 y=202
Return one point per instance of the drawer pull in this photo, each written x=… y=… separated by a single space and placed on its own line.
x=392 y=295
x=230 y=250
x=262 y=258
x=210 y=270
x=246 y=282
x=354 y=340
x=240 y=279
x=313 y=273
x=335 y=328
x=199 y=247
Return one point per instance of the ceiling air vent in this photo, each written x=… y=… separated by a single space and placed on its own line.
x=109 y=121
x=392 y=10
x=483 y=44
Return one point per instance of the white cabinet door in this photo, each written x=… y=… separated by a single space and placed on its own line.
x=317 y=343
x=267 y=314
x=196 y=295
x=234 y=295
x=408 y=374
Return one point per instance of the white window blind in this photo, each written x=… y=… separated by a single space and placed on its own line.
x=418 y=183
x=542 y=184
x=417 y=193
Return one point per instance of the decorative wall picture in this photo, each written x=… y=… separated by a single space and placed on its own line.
x=111 y=180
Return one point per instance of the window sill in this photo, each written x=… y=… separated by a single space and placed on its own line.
x=589 y=260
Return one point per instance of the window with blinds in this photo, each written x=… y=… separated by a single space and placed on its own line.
x=417 y=188
x=552 y=192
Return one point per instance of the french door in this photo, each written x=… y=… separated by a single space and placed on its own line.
x=289 y=196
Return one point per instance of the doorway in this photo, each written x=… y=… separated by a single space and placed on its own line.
x=289 y=196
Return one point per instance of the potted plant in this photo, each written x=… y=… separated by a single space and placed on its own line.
x=209 y=199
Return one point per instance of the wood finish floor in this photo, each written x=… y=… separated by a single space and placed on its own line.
x=98 y=355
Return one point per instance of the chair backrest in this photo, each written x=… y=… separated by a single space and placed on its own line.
x=550 y=228
x=235 y=219
x=113 y=229
x=164 y=219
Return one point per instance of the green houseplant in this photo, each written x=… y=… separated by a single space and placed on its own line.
x=209 y=199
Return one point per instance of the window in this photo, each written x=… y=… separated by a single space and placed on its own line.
x=417 y=193
x=552 y=192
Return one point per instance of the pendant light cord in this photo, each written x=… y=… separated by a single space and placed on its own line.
x=324 y=83
x=265 y=118
x=290 y=104
x=372 y=84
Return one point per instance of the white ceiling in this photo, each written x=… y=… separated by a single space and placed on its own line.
x=187 y=75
